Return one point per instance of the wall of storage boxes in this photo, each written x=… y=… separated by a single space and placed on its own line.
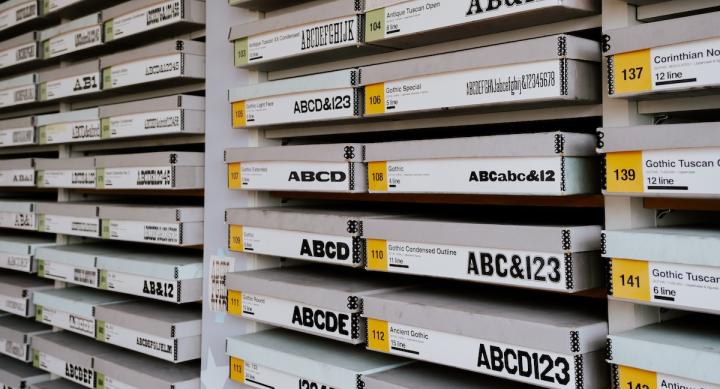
x=398 y=194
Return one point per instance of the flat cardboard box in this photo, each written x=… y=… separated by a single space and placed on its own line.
x=61 y=83
x=18 y=214
x=68 y=127
x=75 y=209
x=65 y=348
x=683 y=348
x=665 y=137
x=19 y=90
x=18 y=251
x=162 y=115
x=428 y=376
x=56 y=384
x=689 y=245
x=17 y=132
x=72 y=218
x=16 y=293
x=191 y=14
x=158 y=170
x=334 y=364
x=22 y=49
x=15 y=333
x=16 y=374
x=181 y=226
x=76 y=35
x=146 y=372
x=25 y=10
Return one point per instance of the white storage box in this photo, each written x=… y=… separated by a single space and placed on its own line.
x=74 y=218
x=19 y=50
x=69 y=127
x=551 y=164
x=19 y=251
x=66 y=263
x=167 y=332
x=75 y=80
x=151 y=16
x=71 y=173
x=16 y=12
x=17 y=172
x=15 y=334
x=283 y=359
x=18 y=214
x=312 y=168
x=16 y=293
x=18 y=90
x=79 y=34
x=16 y=374
x=129 y=369
x=159 y=224
x=427 y=376
x=159 y=170
x=17 y=132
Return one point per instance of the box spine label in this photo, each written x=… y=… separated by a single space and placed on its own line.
x=18 y=220
x=55 y=5
x=18 y=177
x=20 y=95
x=18 y=55
x=71 y=86
x=159 y=177
x=17 y=262
x=303 y=317
x=23 y=12
x=529 y=176
x=145 y=124
x=306 y=176
x=81 y=131
x=84 y=178
x=67 y=321
x=550 y=370
x=73 y=41
x=154 y=288
x=305 y=39
x=72 y=274
x=682 y=66
x=158 y=347
x=149 y=18
x=70 y=225
x=332 y=104
x=137 y=231
x=146 y=70
x=17 y=137
x=18 y=351
x=18 y=306
x=494 y=85
x=338 y=250
x=494 y=266
x=263 y=377
x=635 y=378
x=107 y=382
x=78 y=374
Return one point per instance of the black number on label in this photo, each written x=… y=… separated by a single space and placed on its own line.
x=375 y=26
x=555 y=264
x=378 y=335
x=632 y=73
x=378 y=176
x=630 y=280
x=377 y=254
x=547 y=361
x=635 y=385
x=624 y=174
x=540 y=263
x=375 y=100
x=563 y=378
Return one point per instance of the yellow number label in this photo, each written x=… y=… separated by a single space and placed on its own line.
x=632 y=72
x=375 y=99
x=378 y=335
x=624 y=172
x=234 y=302
x=238 y=114
x=377 y=177
x=377 y=256
x=235 y=238
x=234 y=176
x=636 y=378
x=237 y=370
x=631 y=279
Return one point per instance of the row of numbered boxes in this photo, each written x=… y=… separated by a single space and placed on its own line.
x=170 y=62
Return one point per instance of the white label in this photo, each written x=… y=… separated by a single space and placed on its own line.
x=14 y=305
x=330 y=104
x=136 y=231
x=680 y=171
x=308 y=318
x=72 y=86
x=22 y=221
x=144 y=124
x=146 y=70
x=531 y=176
x=139 y=178
x=500 y=84
x=505 y=267
x=158 y=15
x=20 y=95
x=54 y=5
x=75 y=373
x=309 y=38
x=19 y=177
x=15 y=350
x=68 y=178
x=522 y=364
x=112 y=383
x=17 y=137
x=672 y=382
x=16 y=262
x=416 y=16
x=300 y=245
x=219 y=268
x=18 y=55
x=685 y=285
x=72 y=274
x=70 y=225
x=82 y=131
x=74 y=41
x=262 y=377
x=68 y=321
x=163 y=348
x=157 y=289
x=18 y=14
x=692 y=64
x=305 y=176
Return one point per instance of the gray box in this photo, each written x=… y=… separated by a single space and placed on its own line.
x=18 y=251
x=653 y=137
x=76 y=351
x=16 y=374
x=146 y=372
x=16 y=332
x=17 y=132
x=19 y=90
x=31 y=8
x=180 y=226
x=85 y=33
x=334 y=364
x=158 y=170
x=292 y=290
x=162 y=115
x=86 y=74
x=18 y=214
x=51 y=173
x=23 y=49
x=427 y=376
x=192 y=15
x=16 y=293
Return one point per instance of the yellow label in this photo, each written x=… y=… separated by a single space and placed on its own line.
x=632 y=72
x=631 y=279
x=237 y=370
x=624 y=172
x=636 y=378
x=377 y=256
x=234 y=176
x=235 y=238
x=238 y=114
x=234 y=302
x=378 y=335
x=375 y=99
x=377 y=177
